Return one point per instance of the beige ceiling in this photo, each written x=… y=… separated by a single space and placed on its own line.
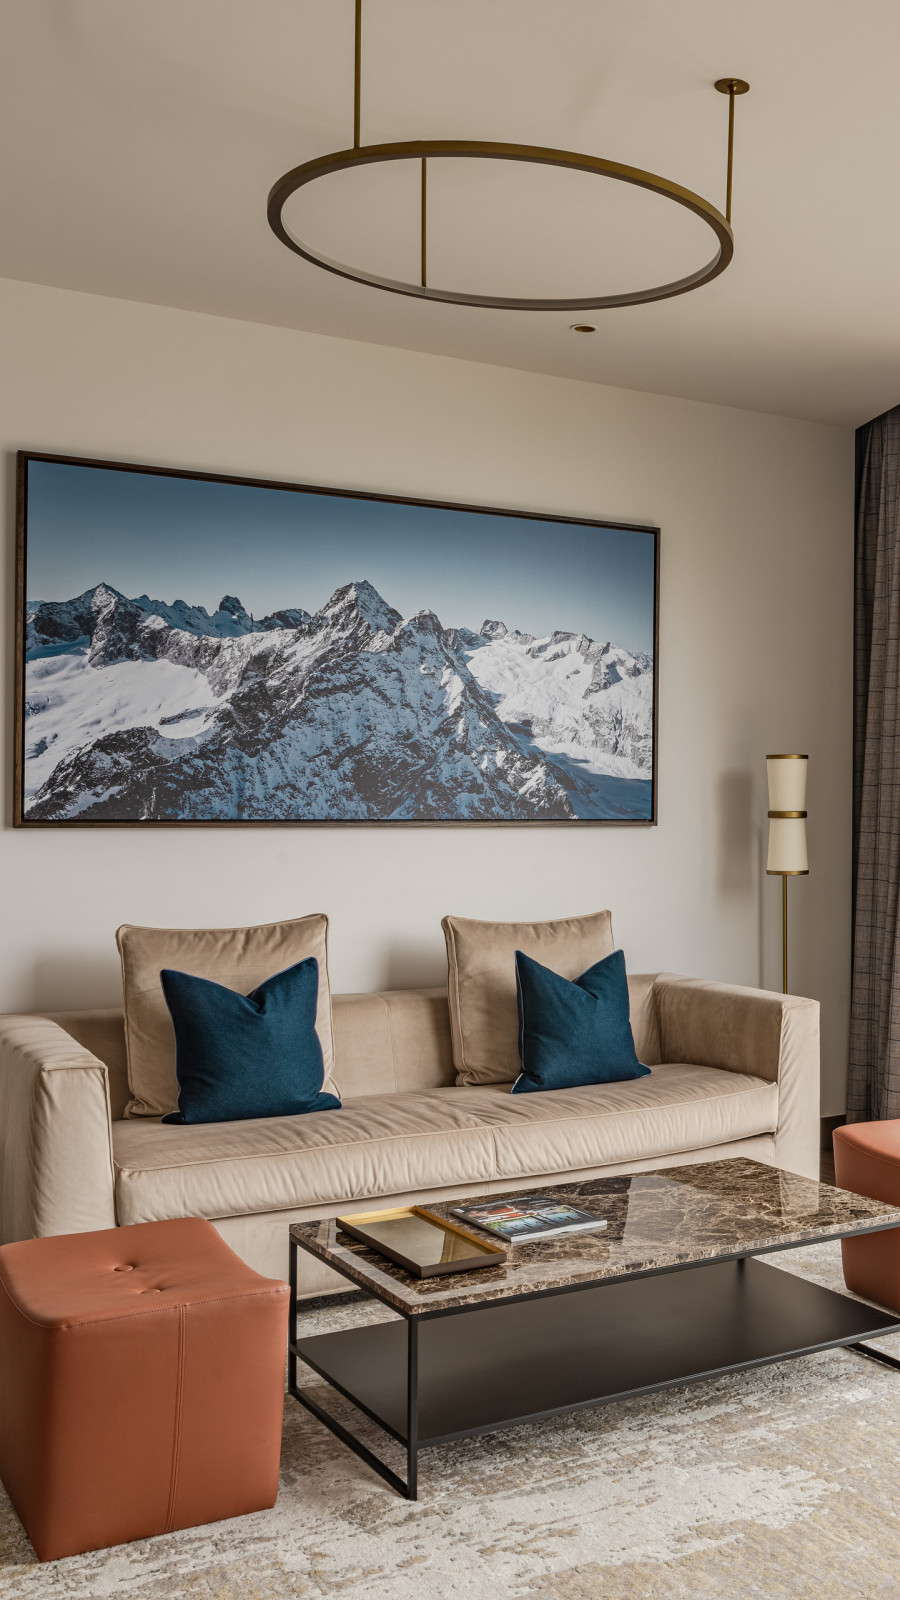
x=140 y=138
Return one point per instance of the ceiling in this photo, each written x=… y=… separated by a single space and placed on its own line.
x=138 y=142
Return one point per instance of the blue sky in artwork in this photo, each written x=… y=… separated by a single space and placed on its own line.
x=180 y=538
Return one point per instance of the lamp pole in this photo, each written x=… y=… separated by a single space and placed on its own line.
x=784 y=879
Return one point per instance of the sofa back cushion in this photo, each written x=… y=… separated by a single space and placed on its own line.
x=386 y=1043
x=238 y=958
x=393 y=1042
x=481 y=962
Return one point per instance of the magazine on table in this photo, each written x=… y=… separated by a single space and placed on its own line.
x=529 y=1216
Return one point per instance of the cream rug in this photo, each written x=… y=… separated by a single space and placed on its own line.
x=780 y=1482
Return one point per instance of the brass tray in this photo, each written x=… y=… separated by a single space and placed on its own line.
x=426 y=1245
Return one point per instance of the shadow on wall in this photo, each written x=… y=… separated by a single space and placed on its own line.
x=740 y=848
x=413 y=966
x=64 y=980
x=736 y=860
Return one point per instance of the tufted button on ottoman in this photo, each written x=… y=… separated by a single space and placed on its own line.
x=867 y=1160
x=141 y=1384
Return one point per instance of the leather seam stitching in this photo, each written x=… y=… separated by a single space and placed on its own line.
x=390 y=1025
x=128 y=1316
x=176 y=1441
x=869 y=1158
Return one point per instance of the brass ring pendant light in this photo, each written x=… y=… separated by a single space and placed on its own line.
x=425 y=150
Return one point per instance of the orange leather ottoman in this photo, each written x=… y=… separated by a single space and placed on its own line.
x=867 y=1160
x=141 y=1384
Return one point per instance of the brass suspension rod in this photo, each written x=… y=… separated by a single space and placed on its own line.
x=424 y=216
x=357 y=99
x=357 y=73
x=730 y=155
x=731 y=87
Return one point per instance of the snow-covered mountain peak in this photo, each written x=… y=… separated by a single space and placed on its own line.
x=53 y=624
x=101 y=595
x=359 y=602
x=230 y=610
x=423 y=629
x=577 y=699
x=290 y=617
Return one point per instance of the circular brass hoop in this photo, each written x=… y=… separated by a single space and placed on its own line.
x=435 y=149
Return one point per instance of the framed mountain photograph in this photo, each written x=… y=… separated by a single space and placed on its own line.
x=211 y=650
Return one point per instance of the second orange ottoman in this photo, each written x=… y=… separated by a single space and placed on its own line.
x=141 y=1384
x=867 y=1160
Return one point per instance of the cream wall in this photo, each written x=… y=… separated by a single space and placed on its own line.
x=755 y=652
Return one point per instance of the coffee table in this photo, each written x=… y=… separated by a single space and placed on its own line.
x=672 y=1290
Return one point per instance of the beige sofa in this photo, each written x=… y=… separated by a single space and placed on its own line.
x=735 y=1072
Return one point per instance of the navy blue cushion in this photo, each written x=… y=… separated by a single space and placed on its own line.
x=574 y=1033
x=247 y=1055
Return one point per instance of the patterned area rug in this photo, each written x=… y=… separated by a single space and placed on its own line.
x=778 y=1482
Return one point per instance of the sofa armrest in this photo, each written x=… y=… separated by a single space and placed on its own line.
x=766 y=1035
x=56 y=1167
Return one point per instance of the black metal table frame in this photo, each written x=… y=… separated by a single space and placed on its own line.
x=408 y=1487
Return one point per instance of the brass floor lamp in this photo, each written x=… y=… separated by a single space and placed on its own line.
x=787 y=833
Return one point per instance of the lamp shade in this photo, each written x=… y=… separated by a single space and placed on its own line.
x=787 y=815
x=787 y=782
x=787 y=845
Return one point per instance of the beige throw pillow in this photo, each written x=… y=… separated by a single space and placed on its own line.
x=484 y=1021
x=238 y=958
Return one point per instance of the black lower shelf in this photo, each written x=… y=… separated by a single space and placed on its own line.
x=501 y=1364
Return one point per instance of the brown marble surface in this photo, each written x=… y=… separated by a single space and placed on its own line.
x=655 y=1220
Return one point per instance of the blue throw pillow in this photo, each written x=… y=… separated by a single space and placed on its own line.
x=247 y=1055
x=574 y=1033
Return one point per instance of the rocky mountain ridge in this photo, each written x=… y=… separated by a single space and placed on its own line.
x=139 y=708
x=51 y=623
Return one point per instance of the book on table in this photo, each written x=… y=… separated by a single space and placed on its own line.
x=529 y=1216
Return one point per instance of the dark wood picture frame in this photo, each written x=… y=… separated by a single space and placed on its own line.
x=20 y=819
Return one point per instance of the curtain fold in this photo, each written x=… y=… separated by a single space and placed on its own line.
x=874 y=1080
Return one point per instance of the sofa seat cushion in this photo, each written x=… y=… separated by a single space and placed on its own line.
x=393 y=1144
x=680 y=1107
x=376 y=1145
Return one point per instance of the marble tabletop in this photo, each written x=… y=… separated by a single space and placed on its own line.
x=655 y=1221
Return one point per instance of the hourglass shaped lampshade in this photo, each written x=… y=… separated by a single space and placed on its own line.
x=787 y=815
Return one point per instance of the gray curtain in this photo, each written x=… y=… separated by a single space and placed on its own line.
x=874 y=1086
